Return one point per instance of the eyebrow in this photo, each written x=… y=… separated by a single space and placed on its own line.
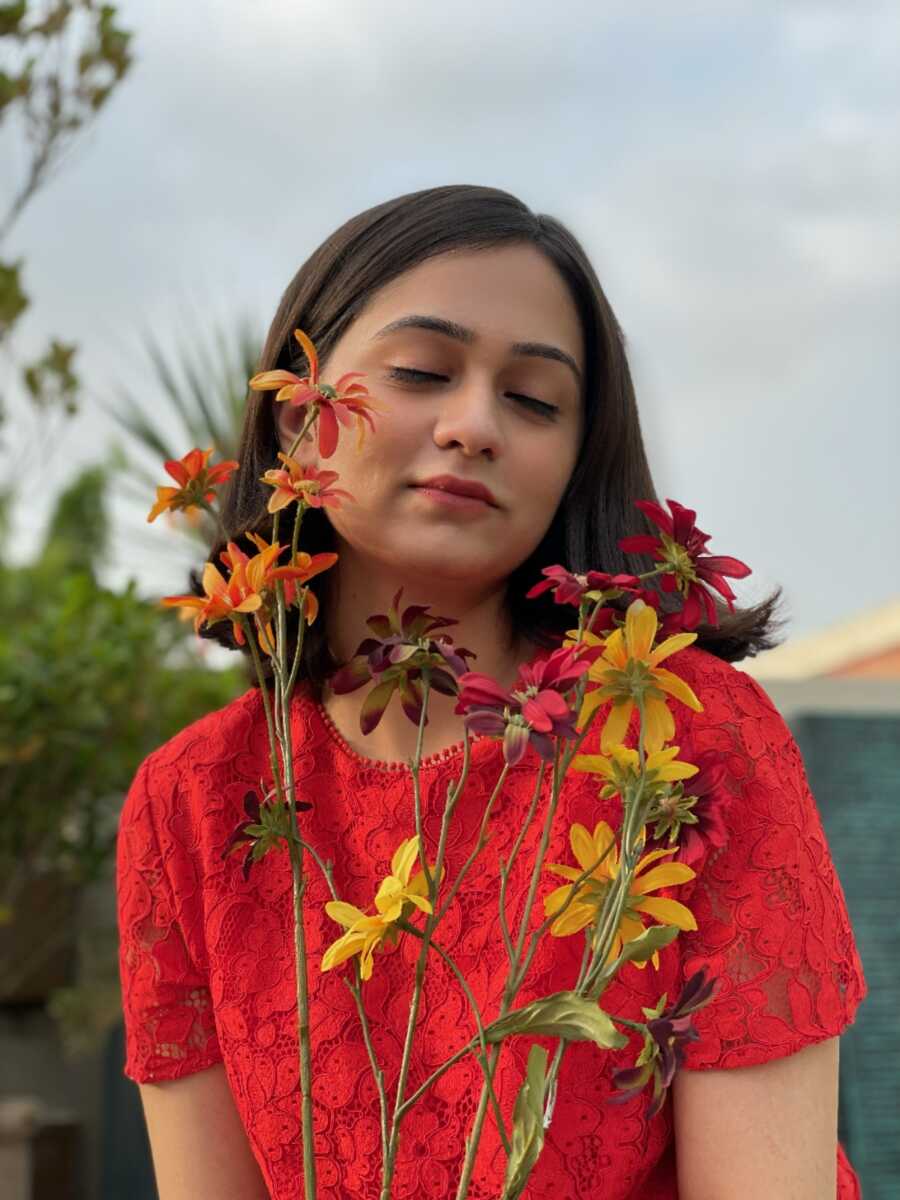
x=461 y=333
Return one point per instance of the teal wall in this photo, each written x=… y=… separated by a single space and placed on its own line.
x=853 y=765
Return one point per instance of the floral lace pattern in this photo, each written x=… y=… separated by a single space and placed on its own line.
x=207 y=958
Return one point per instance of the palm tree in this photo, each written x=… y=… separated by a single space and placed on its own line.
x=203 y=386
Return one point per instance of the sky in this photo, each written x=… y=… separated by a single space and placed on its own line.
x=730 y=168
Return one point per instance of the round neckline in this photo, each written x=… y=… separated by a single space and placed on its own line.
x=441 y=758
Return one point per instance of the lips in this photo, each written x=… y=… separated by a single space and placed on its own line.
x=459 y=487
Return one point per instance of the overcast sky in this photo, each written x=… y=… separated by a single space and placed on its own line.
x=731 y=168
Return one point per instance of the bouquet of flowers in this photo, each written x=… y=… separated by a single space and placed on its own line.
x=552 y=706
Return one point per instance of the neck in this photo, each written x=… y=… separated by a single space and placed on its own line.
x=355 y=593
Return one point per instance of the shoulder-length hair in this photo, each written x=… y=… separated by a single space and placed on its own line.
x=331 y=289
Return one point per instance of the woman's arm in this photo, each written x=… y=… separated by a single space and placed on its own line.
x=199 y=1145
x=754 y=1133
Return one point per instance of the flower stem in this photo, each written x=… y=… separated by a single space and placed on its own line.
x=507 y=867
x=513 y=981
x=478 y=1021
x=356 y=990
x=482 y=839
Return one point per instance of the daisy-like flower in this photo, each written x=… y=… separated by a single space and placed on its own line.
x=396 y=894
x=694 y=817
x=629 y=667
x=622 y=769
x=307 y=485
x=395 y=658
x=196 y=482
x=346 y=402
x=666 y=1035
x=591 y=893
x=691 y=571
x=533 y=710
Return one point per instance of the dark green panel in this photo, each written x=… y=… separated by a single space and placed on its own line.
x=853 y=765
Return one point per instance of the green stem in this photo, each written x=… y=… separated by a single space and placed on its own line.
x=417 y=787
x=299 y=883
x=405 y=925
x=481 y=840
x=513 y=981
x=356 y=991
x=267 y=706
x=506 y=868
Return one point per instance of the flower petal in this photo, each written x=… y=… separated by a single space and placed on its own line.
x=676 y=686
x=669 y=912
x=668 y=875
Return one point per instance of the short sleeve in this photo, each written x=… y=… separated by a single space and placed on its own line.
x=169 y=1026
x=772 y=921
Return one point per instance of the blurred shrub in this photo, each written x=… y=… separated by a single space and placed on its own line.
x=91 y=681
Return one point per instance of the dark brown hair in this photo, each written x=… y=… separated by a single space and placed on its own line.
x=330 y=290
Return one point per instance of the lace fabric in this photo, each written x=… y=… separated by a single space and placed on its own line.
x=207 y=957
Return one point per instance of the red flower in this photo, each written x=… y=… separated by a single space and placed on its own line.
x=533 y=710
x=346 y=402
x=694 y=814
x=569 y=588
x=395 y=659
x=691 y=572
x=666 y=1034
x=195 y=482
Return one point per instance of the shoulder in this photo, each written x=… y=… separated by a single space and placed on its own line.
x=175 y=782
x=727 y=694
x=210 y=738
x=218 y=757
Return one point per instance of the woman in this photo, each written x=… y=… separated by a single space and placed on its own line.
x=495 y=359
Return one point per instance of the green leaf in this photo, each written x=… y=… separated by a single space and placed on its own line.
x=642 y=948
x=11 y=17
x=528 y=1125
x=13 y=300
x=565 y=1015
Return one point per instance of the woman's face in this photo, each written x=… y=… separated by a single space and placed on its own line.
x=493 y=396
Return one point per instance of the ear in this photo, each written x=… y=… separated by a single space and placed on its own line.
x=289 y=420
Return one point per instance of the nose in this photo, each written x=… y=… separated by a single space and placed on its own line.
x=468 y=419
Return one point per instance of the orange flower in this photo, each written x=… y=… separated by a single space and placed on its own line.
x=223 y=599
x=628 y=666
x=261 y=574
x=591 y=893
x=195 y=482
x=304 y=484
x=344 y=402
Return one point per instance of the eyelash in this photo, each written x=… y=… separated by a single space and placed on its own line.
x=411 y=375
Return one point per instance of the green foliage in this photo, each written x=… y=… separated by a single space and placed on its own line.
x=203 y=385
x=528 y=1125
x=71 y=56
x=13 y=300
x=90 y=683
x=643 y=947
x=565 y=1015
x=77 y=536
x=50 y=379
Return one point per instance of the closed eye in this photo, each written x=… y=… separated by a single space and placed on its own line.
x=411 y=375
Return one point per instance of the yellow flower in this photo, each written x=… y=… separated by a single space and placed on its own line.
x=622 y=768
x=589 y=897
x=628 y=667
x=365 y=933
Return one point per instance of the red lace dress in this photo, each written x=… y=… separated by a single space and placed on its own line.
x=207 y=958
